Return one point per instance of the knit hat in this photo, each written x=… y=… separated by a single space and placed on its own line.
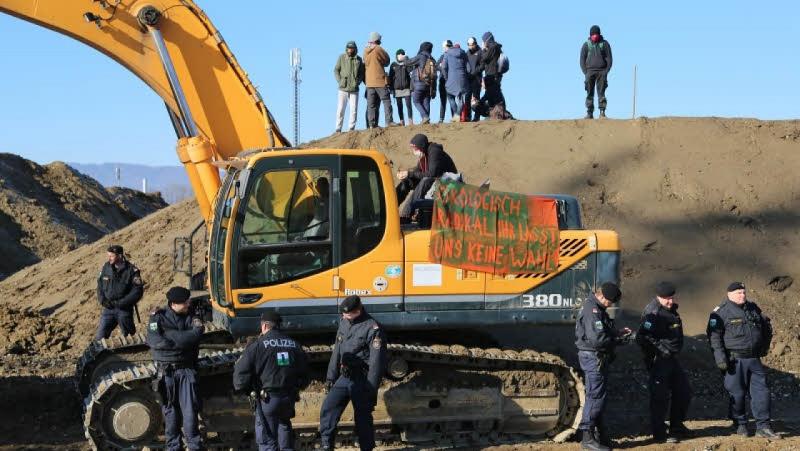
x=665 y=289
x=426 y=47
x=487 y=36
x=735 y=286
x=420 y=141
x=447 y=43
x=350 y=303
x=374 y=36
x=400 y=52
x=271 y=316
x=178 y=295
x=351 y=45
x=611 y=292
x=594 y=30
x=116 y=249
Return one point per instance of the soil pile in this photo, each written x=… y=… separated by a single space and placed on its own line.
x=139 y=204
x=48 y=210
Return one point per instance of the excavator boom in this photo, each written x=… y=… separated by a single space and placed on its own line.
x=208 y=94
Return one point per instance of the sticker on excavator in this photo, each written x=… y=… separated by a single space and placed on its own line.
x=493 y=231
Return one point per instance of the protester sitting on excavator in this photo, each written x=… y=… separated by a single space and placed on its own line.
x=432 y=163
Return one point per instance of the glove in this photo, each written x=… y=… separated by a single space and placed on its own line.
x=663 y=352
x=328 y=386
x=723 y=366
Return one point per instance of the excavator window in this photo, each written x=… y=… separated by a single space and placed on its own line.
x=365 y=211
x=286 y=228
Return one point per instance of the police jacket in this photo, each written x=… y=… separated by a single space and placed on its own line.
x=120 y=288
x=273 y=362
x=173 y=338
x=594 y=329
x=660 y=330
x=739 y=329
x=360 y=350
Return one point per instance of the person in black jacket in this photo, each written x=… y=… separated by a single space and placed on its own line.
x=273 y=369
x=660 y=336
x=596 y=61
x=492 y=77
x=400 y=84
x=432 y=163
x=119 y=288
x=354 y=374
x=596 y=340
x=474 y=73
x=740 y=334
x=173 y=335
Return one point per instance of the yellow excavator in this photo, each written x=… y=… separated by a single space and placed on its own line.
x=298 y=230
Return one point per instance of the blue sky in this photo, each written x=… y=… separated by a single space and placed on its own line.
x=64 y=101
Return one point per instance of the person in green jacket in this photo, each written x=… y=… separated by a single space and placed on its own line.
x=349 y=73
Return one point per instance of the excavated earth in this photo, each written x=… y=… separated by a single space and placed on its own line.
x=699 y=201
x=47 y=211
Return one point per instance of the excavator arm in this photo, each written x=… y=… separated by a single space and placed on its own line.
x=174 y=48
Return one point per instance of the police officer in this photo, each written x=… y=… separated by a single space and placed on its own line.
x=740 y=335
x=273 y=368
x=354 y=374
x=660 y=336
x=119 y=288
x=596 y=339
x=173 y=335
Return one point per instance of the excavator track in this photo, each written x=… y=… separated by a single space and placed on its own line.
x=111 y=354
x=436 y=396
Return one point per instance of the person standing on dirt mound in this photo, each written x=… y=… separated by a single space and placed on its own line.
x=432 y=163
x=596 y=61
x=349 y=73
x=119 y=288
x=354 y=374
x=273 y=369
x=375 y=60
x=740 y=334
x=660 y=336
x=596 y=340
x=173 y=335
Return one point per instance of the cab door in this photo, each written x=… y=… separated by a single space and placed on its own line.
x=284 y=253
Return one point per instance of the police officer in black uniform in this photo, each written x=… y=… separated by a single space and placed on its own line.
x=596 y=339
x=354 y=374
x=740 y=334
x=119 y=288
x=273 y=368
x=173 y=335
x=660 y=336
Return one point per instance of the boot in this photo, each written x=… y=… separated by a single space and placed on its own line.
x=427 y=120
x=767 y=433
x=590 y=443
x=589 y=115
x=402 y=123
x=742 y=430
x=602 y=114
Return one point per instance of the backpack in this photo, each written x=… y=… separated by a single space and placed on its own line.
x=427 y=72
x=502 y=63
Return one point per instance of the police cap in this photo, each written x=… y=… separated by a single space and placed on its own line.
x=271 y=316
x=611 y=292
x=115 y=249
x=350 y=303
x=178 y=295
x=665 y=289
x=735 y=286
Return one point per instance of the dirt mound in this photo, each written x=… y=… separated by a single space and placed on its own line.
x=28 y=332
x=139 y=204
x=64 y=287
x=48 y=210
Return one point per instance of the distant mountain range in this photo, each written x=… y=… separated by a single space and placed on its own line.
x=170 y=181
